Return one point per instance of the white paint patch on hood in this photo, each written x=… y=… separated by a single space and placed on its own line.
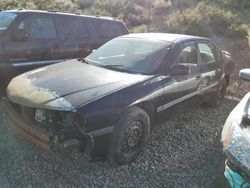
x=21 y=91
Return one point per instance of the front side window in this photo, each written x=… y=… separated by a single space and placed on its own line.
x=188 y=56
x=39 y=27
x=6 y=18
x=206 y=54
x=131 y=55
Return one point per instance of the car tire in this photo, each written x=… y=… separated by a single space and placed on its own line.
x=130 y=136
x=217 y=98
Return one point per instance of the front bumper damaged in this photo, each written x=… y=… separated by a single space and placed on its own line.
x=33 y=133
x=94 y=144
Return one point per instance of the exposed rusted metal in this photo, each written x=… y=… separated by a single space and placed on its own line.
x=34 y=134
x=39 y=134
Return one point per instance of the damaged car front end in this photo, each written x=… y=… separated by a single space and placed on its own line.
x=40 y=114
x=48 y=128
x=63 y=111
x=236 y=141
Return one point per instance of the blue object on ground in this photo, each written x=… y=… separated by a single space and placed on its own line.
x=235 y=180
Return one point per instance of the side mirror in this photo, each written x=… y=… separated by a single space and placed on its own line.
x=226 y=53
x=245 y=74
x=20 y=35
x=179 y=70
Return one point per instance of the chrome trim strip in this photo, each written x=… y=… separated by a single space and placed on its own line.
x=174 y=102
x=37 y=63
x=185 y=97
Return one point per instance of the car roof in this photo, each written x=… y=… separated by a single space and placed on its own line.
x=168 y=37
x=61 y=13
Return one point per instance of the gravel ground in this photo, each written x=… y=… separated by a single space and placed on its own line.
x=183 y=152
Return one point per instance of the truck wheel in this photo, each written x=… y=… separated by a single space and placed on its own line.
x=217 y=98
x=129 y=136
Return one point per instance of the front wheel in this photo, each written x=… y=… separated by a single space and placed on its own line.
x=129 y=136
x=217 y=98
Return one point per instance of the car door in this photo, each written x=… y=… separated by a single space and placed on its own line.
x=75 y=37
x=180 y=91
x=210 y=67
x=32 y=43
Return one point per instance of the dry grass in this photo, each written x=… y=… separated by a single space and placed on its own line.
x=237 y=87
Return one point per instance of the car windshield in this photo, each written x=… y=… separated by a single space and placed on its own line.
x=5 y=20
x=133 y=55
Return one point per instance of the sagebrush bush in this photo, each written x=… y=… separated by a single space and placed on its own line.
x=106 y=8
x=206 y=20
x=237 y=3
x=135 y=15
x=141 y=29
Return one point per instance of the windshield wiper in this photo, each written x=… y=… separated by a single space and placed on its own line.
x=83 y=60
x=108 y=66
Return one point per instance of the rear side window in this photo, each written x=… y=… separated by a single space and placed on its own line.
x=39 y=27
x=206 y=53
x=188 y=56
x=74 y=28
x=110 y=30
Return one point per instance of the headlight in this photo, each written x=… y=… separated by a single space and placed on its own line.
x=237 y=145
x=42 y=116
x=58 y=119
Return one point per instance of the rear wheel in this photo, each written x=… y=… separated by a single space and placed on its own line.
x=217 y=98
x=129 y=136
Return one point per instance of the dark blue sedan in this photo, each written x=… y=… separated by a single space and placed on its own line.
x=107 y=103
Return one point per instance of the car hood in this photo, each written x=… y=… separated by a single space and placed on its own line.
x=236 y=135
x=66 y=86
x=236 y=115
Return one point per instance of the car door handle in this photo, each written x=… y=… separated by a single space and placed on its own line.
x=58 y=45
x=198 y=77
x=164 y=77
x=85 y=49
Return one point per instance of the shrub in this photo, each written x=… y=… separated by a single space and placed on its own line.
x=141 y=29
x=135 y=15
x=206 y=20
x=8 y=4
x=106 y=8
x=237 y=31
x=238 y=3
